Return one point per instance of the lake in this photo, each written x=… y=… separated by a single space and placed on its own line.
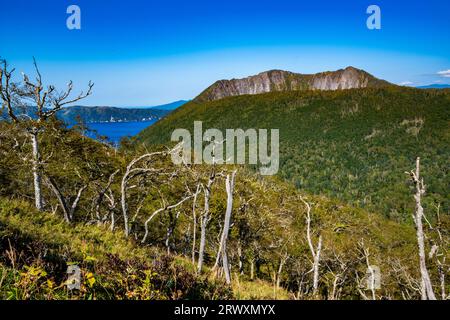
x=115 y=131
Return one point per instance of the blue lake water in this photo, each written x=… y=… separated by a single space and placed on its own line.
x=117 y=130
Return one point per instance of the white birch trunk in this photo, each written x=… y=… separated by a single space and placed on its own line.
x=316 y=267
x=36 y=170
x=426 y=287
x=194 y=217
x=229 y=184
x=123 y=202
x=314 y=252
x=203 y=225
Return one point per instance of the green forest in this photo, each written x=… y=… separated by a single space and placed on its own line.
x=353 y=145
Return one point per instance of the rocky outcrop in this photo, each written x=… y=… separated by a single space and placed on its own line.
x=279 y=80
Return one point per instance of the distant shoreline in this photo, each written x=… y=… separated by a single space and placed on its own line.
x=124 y=121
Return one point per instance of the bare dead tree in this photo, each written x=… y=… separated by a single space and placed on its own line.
x=165 y=207
x=102 y=194
x=222 y=251
x=359 y=285
x=171 y=228
x=439 y=253
x=206 y=215
x=9 y=91
x=194 y=218
x=68 y=209
x=205 y=218
x=47 y=100
x=283 y=259
x=315 y=252
x=112 y=208
x=133 y=171
x=335 y=292
x=443 y=269
x=36 y=167
x=140 y=197
x=426 y=286
x=410 y=285
x=339 y=273
x=130 y=173
x=371 y=279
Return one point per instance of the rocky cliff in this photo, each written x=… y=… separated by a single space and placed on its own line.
x=279 y=80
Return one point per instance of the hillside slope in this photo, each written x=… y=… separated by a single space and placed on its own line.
x=351 y=144
x=267 y=245
x=37 y=247
x=279 y=80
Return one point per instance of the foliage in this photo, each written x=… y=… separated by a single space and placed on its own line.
x=37 y=247
x=354 y=145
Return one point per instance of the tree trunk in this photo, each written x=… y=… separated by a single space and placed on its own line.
x=194 y=217
x=226 y=267
x=314 y=252
x=102 y=194
x=316 y=267
x=241 y=259
x=112 y=208
x=425 y=278
x=123 y=202
x=201 y=249
x=426 y=287
x=75 y=202
x=67 y=211
x=280 y=270
x=170 y=229
x=61 y=199
x=36 y=170
x=229 y=185
x=205 y=220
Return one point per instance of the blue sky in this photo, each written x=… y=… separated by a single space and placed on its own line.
x=151 y=52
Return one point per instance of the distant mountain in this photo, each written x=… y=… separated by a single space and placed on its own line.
x=91 y=114
x=71 y=115
x=435 y=86
x=279 y=80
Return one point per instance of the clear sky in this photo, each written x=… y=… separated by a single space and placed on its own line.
x=157 y=51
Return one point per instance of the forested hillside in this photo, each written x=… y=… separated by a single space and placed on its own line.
x=157 y=255
x=354 y=145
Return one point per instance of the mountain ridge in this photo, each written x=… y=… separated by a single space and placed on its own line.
x=281 y=80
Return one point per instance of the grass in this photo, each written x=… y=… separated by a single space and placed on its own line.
x=37 y=248
x=258 y=290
